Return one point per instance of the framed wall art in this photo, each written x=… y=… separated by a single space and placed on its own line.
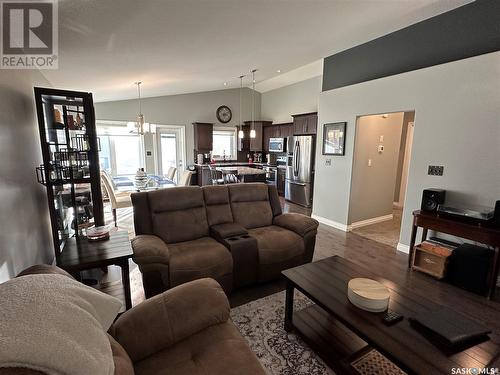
x=334 y=138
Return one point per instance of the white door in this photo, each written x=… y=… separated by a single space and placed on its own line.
x=170 y=150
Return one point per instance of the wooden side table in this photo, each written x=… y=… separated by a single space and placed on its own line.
x=459 y=228
x=84 y=255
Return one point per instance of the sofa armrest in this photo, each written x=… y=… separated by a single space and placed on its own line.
x=170 y=317
x=150 y=249
x=298 y=223
x=221 y=231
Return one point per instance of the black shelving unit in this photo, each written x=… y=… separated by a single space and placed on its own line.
x=70 y=169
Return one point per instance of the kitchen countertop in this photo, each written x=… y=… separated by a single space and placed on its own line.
x=231 y=164
x=239 y=164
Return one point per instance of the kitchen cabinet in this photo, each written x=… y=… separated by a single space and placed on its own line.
x=253 y=144
x=305 y=123
x=203 y=136
x=280 y=181
x=267 y=132
x=275 y=131
x=286 y=130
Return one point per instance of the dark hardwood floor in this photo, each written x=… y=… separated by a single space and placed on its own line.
x=387 y=262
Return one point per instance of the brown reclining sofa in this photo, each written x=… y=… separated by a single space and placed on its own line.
x=236 y=234
x=185 y=330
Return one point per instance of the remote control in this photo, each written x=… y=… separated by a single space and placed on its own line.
x=392 y=317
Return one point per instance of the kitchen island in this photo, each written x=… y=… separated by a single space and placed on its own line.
x=203 y=175
x=242 y=174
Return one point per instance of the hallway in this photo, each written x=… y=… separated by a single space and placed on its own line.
x=386 y=232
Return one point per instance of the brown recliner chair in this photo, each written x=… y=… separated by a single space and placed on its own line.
x=236 y=234
x=183 y=331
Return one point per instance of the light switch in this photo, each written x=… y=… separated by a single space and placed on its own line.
x=369 y=162
x=381 y=138
x=328 y=162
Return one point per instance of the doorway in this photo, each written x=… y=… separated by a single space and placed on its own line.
x=171 y=149
x=382 y=153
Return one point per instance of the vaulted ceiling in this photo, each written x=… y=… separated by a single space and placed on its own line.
x=181 y=46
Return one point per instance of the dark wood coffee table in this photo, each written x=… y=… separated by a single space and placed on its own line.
x=340 y=332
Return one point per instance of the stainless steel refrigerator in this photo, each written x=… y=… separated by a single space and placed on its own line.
x=300 y=169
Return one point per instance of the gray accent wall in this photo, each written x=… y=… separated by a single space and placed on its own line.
x=280 y=104
x=456 y=125
x=470 y=30
x=25 y=237
x=183 y=110
x=372 y=187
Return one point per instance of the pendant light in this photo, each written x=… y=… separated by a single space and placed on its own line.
x=241 y=134
x=140 y=116
x=253 y=133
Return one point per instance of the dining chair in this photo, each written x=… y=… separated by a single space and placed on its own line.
x=171 y=173
x=185 y=179
x=214 y=176
x=118 y=199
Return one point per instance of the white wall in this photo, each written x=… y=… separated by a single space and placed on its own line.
x=372 y=189
x=457 y=111
x=25 y=236
x=183 y=110
x=278 y=105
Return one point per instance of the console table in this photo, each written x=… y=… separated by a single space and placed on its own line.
x=81 y=254
x=459 y=228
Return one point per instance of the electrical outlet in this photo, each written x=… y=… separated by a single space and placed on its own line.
x=435 y=170
x=328 y=162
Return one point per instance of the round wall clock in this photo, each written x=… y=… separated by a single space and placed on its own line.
x=224 y=114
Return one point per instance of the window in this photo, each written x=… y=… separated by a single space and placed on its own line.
x=224 y=144
x=120 y=153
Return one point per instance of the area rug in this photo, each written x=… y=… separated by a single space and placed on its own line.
x=261 y=323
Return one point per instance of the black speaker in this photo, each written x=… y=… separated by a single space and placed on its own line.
x=431 y=198
x=468 y=267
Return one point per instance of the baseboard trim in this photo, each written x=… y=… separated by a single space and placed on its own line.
x=403 y=248
x=331 y=223
x=375 y=220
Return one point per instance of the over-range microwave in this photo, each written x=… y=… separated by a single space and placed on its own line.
x=277 y=145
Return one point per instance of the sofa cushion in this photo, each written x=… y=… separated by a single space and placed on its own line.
x=250 y=205
x=219 y=349
x=277 y=244
x=204 y=257
x=178 y=214
x=217 y=205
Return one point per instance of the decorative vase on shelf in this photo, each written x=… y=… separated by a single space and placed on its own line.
x=141 y=179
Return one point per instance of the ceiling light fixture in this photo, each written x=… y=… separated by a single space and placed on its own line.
x=278 y=71
x=140 y=116
x=241 y=134
x=253 y=133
